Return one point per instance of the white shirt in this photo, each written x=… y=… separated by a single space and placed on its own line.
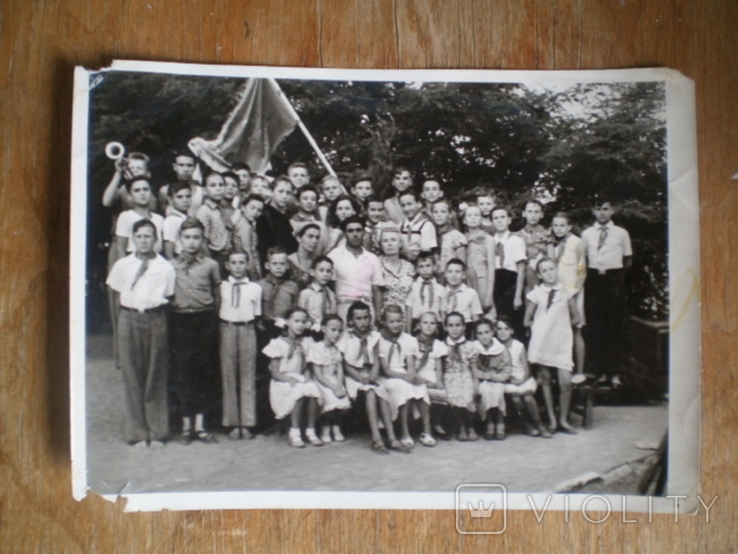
x=421 y=231
x=515 y=251
x=152 y=288
x=430 y=303
x=615 y=247
x=239 y=307
x=124 y=228
x=355 y=276
x=464 y=300
x=170 y=231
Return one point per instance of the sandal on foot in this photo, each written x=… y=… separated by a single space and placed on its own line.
x=337 y=435
x=140 y=445
x=205 y=437
x=566 y=429
x=407 y=442
x=462 y=436
x=473 y=435
x=427 y=440
x=500 y=433
x=399 y=447
x=313 y=439
x=533 y=432
x=544 y=432
x=379 y=447
x=246 y=433
x=184 y=438
x=296 y=441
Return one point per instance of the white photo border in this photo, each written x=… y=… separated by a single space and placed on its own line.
x=684 y=284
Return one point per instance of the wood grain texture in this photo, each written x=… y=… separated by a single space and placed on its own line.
x=40 y=42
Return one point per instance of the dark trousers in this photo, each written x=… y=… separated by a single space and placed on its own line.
x=195 y=373
x=144 y=358
x=264 y=415
x=504 y=297
x=604 y=308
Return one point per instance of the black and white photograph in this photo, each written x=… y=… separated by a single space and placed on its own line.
x=366 y=289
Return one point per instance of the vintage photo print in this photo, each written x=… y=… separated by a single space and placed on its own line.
x=426 y=289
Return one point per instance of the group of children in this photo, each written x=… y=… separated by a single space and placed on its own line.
x=275 y=292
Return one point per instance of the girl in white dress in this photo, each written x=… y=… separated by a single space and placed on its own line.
x=551 y=313
x=291 y=388
x=429 y=360
x=522 y=386
x=327 y=362
x=361 y=368
x=396 y=351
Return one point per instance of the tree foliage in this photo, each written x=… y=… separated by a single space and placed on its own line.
x=563 y=145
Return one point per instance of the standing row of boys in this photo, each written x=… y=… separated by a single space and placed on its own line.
x=345 y=293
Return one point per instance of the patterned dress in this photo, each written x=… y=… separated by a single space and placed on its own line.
x=300 y=275
x=397 y=283
x=457 y=373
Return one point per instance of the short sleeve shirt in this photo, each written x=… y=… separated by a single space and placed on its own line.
x=610 y=254
x=464 y=300
x=406 y=347
x=420 y=230
x=195 y=284
x=172 y=223
x=277 y=296
x=217 y=232
x=292 y=357
x=428 y=371
x=355 y=276
x=514 y=249
x=124 y=228
x=350 y=345
x=153 y=287
x=432 y=298
x=240 y=300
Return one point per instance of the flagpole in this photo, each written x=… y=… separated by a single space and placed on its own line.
x=302 y=127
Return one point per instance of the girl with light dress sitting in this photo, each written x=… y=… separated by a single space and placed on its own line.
x=327 y=362
x=291 y=391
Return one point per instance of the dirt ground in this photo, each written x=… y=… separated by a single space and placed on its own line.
x=521 y=463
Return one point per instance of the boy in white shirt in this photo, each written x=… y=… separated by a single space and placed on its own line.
x=609 y=257
x=510 y=258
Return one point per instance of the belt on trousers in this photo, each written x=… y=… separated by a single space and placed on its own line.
x=237 y=323
x=605 y=271
x=156 y=310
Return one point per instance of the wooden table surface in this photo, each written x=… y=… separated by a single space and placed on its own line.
x=41 y=42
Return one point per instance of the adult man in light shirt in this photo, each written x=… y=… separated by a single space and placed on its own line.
x=358 y=272
x=609 y=257
x=144 y=283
